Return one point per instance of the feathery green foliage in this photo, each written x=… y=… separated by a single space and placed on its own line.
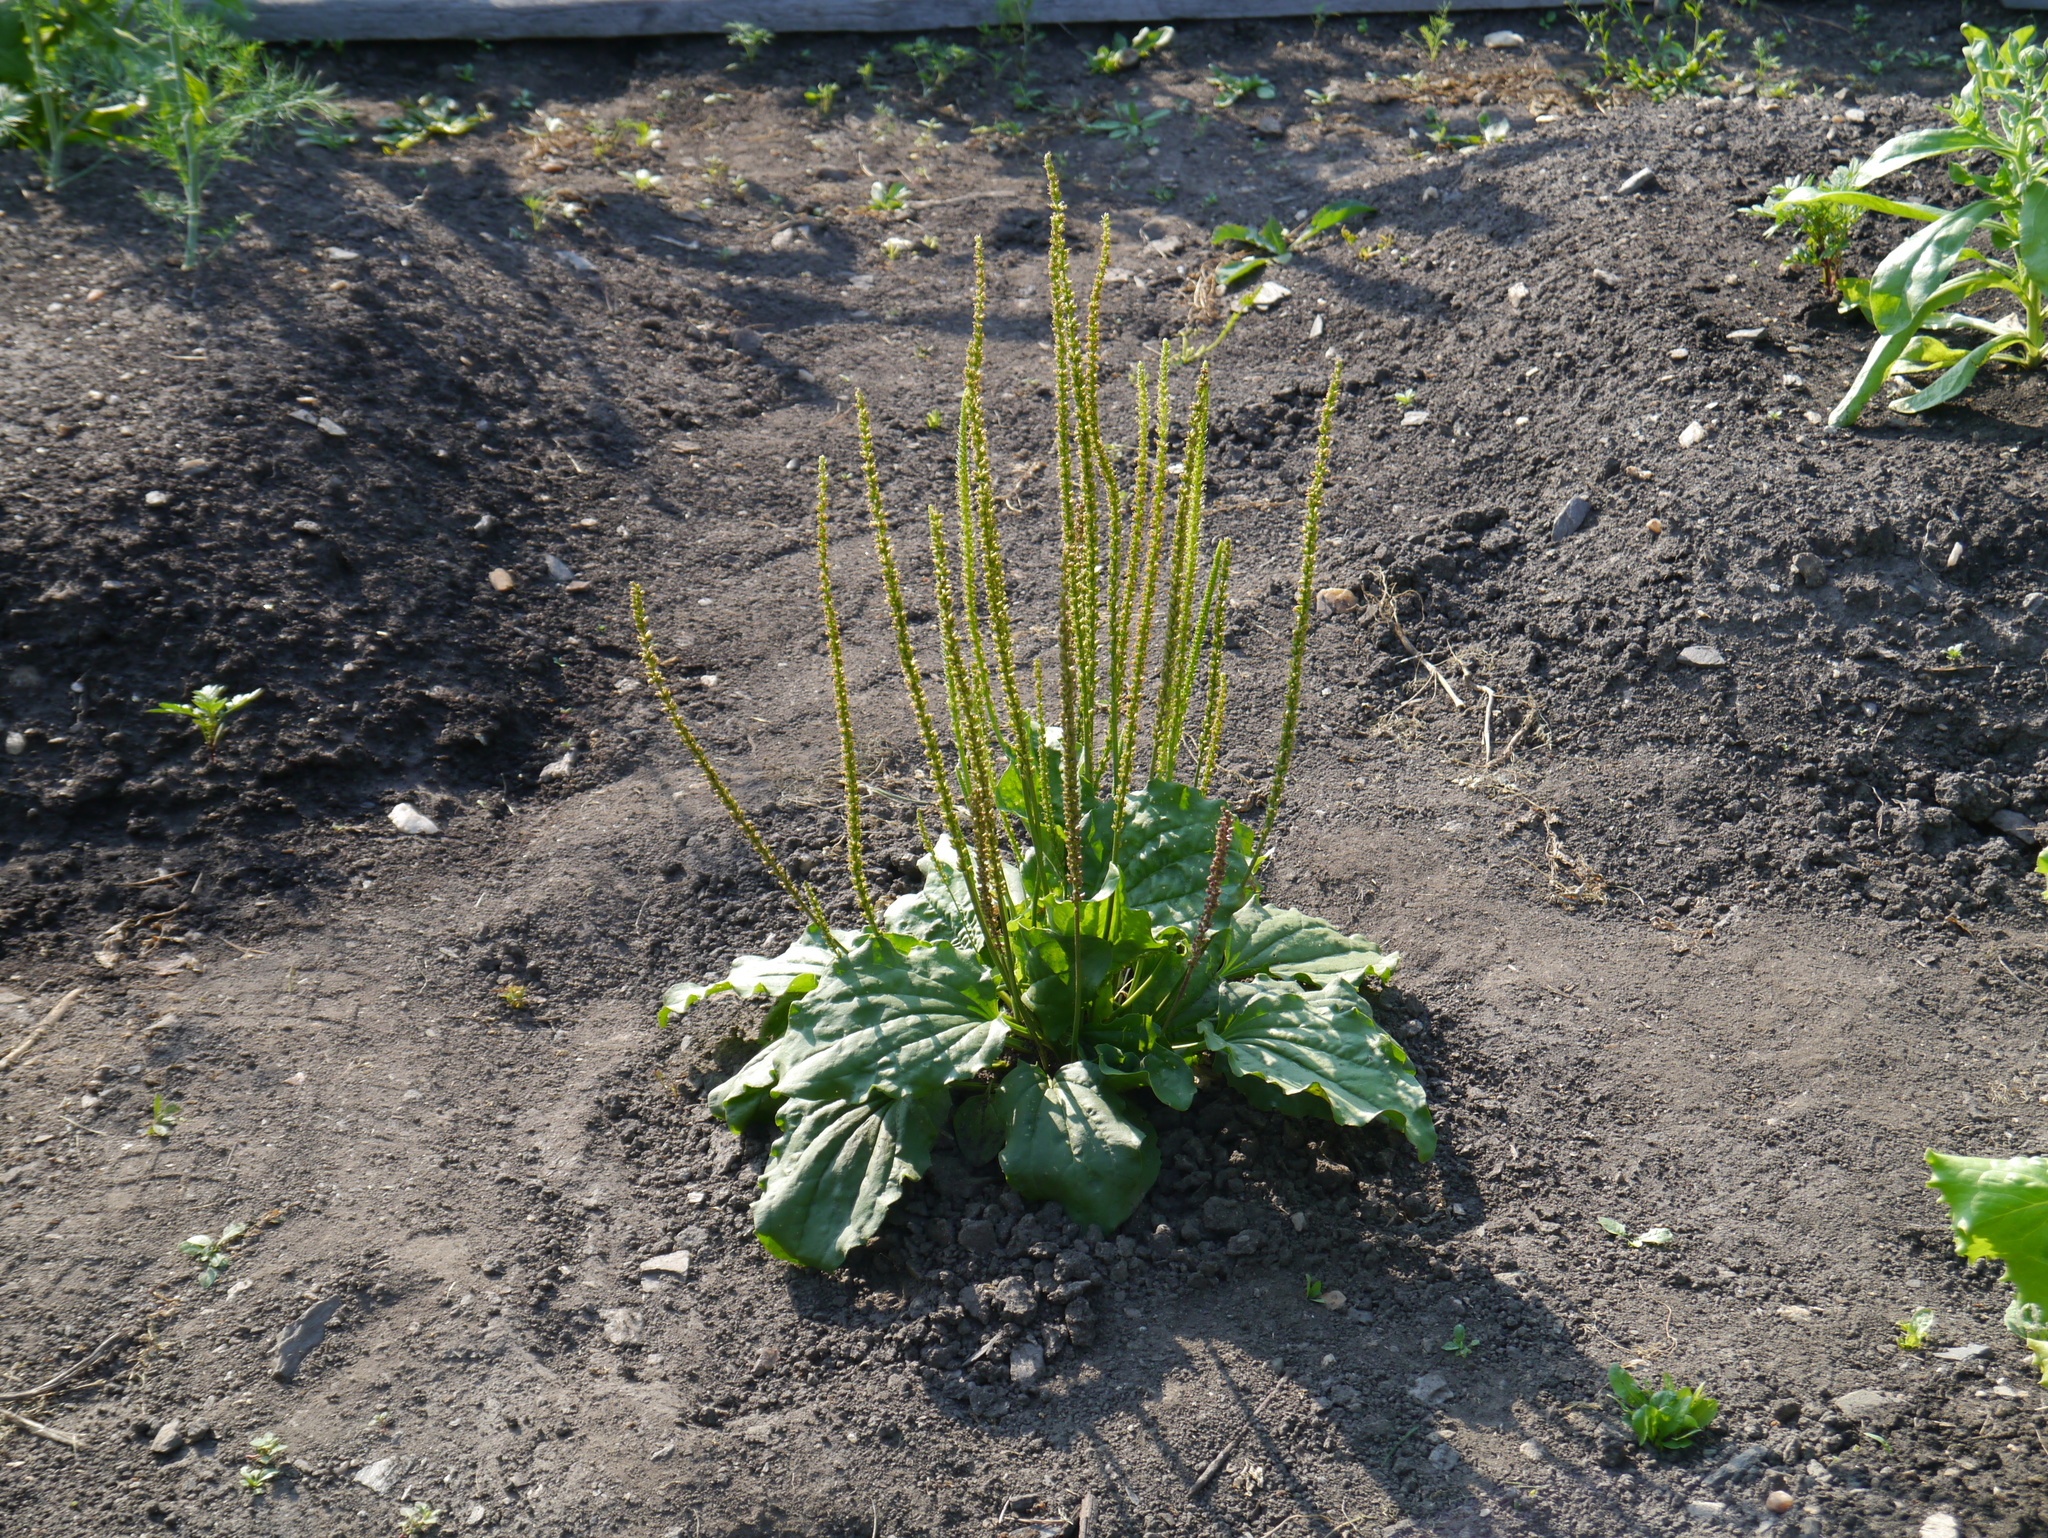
x=1089 y=934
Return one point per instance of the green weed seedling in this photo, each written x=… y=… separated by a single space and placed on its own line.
x=886 y=197
x=269 y=1450
x=1914 y=1328
x=1129 y=123
x=208 y=711
x=1996 y=1207
x=214 y=1255
x=163 y=1116
x=1655 y=1238
x=1654 y=60
x=1232 y=89
x=1091 y=931
x=1435 y=33
x=67 y=71
x=748 y=39
x=1993 y=242
x=936 y=63
x=640 y=179
x=1667 y=1418
x=1823 y=228
x=1310 y=1287
x=1129 y=52
x=1460 y=1344
x=934 y=419
x=254 y=1479
x=315 y=136
x=424 y=118
x=210 y=93
x=822 y=96
x=1493 y=128
x=1273 y=243
x=419 y=1518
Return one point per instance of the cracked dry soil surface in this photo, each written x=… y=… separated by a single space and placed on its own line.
x=1717 y=946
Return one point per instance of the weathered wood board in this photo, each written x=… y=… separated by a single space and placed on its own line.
x=364 y=20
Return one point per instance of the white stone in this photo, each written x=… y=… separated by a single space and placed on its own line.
x=675 y=1263
x=379 y=1476
x=1502 y=40
x=407 y=818
x=1414 y=418
x=1703 y=657
x=1693 y=436
x=624 y=1326
x=1940 y=1524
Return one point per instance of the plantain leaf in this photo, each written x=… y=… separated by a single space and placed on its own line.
x=796 y=970
x=1324 y=1043
x=1919 y=264
x=1958 y=377
x=1164 y=853
x=979 y=1128
x=889 y=1020
x=1234 y=272
x=1337 y=213
x=836 y=1171
x=944 y=910
x=1170 y=1078
x=1296 y=948
x=1075 y=1142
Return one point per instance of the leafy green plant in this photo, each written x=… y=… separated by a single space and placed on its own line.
x=208 y=711
x=1915 y=292
x=749 y=39
x=886 y=197
x=1232 y=89
x=66 y=79
x=1493 y=128
x=209 y=94
x=934 y=419
x=214 y=1255
x=319 y=137
x=1272 y=242
x=1860 y=20
x=1404 y=398
x=254 y=1479
x=1914 y=1328
x=515 y=996
x=1310 y=1287
x=935 y=62
x=1128 y=52
x=1460 y=1344
x=822 y=96
x=269 y=1450
x=418 y=1518
x=1434 y=33
x=163 y=1117
x=424 y=118
x=1656 y=1238
x=1664 y=64
x=1090 y=931
x=1999 y=1210
x=1667 y=1418
x=1129 y=123
x=1823 y=228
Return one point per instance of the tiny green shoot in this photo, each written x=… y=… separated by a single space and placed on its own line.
x=419 y=1517
x=934 y=419
x=1232 y=89
x=822 y=96
x=1460 y=1344
x=1404 y=398
x=163 y=1116
x=514 y=996
x=1310 y=1287
x=213 y=1254
x=1434 y=33
x=255 y=1480
x=208 y=711
x=424 y=118
x=640 y=179
x=749 y=39
x=1272 y=242
x=269 y=1450
x=1913 y=1329
x=1129 y=123
x=884 y=197
x=1124 y=53
x=1667 y=1418
x=1656 y=1238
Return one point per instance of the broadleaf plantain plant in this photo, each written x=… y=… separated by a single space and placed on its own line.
x=1090 y=935
x=1998 y=240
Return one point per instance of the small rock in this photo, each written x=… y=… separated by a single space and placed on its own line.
x=1246 y=1243
x=2034 y=603
x=1739 y=1467
x=1808 y=569
x=1163 y=1243
x=978 y=1236
x=576 y=261
x=1969 y=1353
x=194 y=466
x=790 y=239
x=1644 y=180
x=1613 y=1450
x=1013 y=1298
x=156 y=499
x=1778 y=1502
x=2008 y=821
x=1431 y=1389
x=1266 y=295
x=663 y=1453
x=501 y=580
x=1693 y=436
x=307 y=527
x=1502 y=40
x=675 y=1263
x=1940 y=1524
x=1332 y=1299
x=1969 y=796
x=559 y=769
x=1570 y=519
x=559 y=569
x=1027 y=1363
x=379 y=1476
x=1751 y=334
x=304 y=1333
x=1533 y=1451
x=1862 y=1403
x=407 y=818
x=1955 y=555
x=1786 y=1412
x=624 y=1326
x=1518 y=294
x=974 y=1303
x=1165 y=245
x=1336 y=600
x=1605 y=278
x=476 y=1516
x=1444 y=1456
x=1431 y=194
x=1414 y=418
x=1706 y=1511
x=1270 y=125
x=170 y=1436
x=17 y=744
x=1703 y=657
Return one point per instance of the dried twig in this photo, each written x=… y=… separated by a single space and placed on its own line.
x=15 y=1396
x=1230 y=1446
x=1084 y=1528
x=21 y=1049
x=48 y=1433
x=1390 y=611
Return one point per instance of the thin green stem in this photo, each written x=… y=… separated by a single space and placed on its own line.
x=849 y=765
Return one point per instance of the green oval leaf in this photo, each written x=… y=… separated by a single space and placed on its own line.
x=1164 y=853
x=1957 y=377
x=834 y=1174
x=1077 y=1143
x=795 y=970
x=979 y=1128
x=1918 y=265
x=1897 y=153
x=1296 y=948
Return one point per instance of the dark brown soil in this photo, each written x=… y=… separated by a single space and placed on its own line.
x=1720 y=947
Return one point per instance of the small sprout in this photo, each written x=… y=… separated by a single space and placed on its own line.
x=269 y=1450
x=1274 y=243
x=1666 y=1419
x=822 y=96
x=749 y=39
x=640 y=179
x=1914 y=1328
x=255 y=1480
x=211 y=1253
x=163 y=1115
x=540 y=207
x=896 y=246
x=885 y=197
x=1404 y=398
x=1954 y=653
x=1433 y=34
x=1460 y=1344
x=1164 y=195
x=424 y=118
x=936 y=63
x=1129 y=123
x=1311 y=1288
x=934 y=419
x=420 y=1517
x=1657 y=1238
x=1126 y=53
x=1231 y=89
x=514 y=996
x=208 y=712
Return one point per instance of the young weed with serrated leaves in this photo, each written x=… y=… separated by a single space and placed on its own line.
x=1232 y=89
x=749 y=39
x=208 y=711
x=1273 y=243
x=1655 y=60
x=1914 y=1329
x=936 y=62
x=1129 y=123
x=1823 y=228
x=1090 y=932
x=1666 y=1418
x=214 y=1255
x=1432 y=36
x=67 y=71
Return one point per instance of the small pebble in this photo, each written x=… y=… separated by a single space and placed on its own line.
x=1570 y=519
x=559 y=569
x=1336 y=600
x=501 y=580
x=1605 y=278
x=1414 y=418
x=1693 y=436
x=407 y=818
x=156 y=498
x=1809 y=569
x=1644 y=180
x=1502 y=40
x=1703 y=657
x=1331 y=1299
x=1679 y=354
x=1654 y=526
x=1778 y=1501
x=16 y=744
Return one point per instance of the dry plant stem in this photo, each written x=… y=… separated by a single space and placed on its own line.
x=56 y=1013
x=16 y=1396
x=806 y=901
x=1215 y=1465
x=1391 y=609
x=47 y=1433
x=1084 y=1527
x=849 y=768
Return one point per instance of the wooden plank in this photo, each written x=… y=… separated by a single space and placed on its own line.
x=366 y=20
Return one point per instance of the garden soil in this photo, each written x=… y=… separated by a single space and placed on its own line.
x=1703 y=829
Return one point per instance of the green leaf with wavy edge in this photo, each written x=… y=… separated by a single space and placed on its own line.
x=1164 y=851
x=1075 y=1142
x=1297 y=948
x=1324 y=1043
x=1337 y=213
x=1918 y=265
x=836 y=1171
x=1905 y=149
x=900 y=1022
x=1958 y=377
x=1999 y=1209
x=1112 y=936
x=1169 y=1076
x=795 y=970
x=944 y=909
